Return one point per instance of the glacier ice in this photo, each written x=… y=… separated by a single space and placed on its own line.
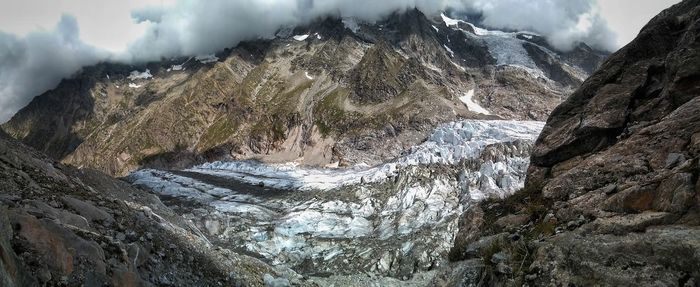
x=351 y=23
x=338 y=216
x=448 y=144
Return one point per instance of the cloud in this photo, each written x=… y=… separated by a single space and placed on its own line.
x=563 y=22
x=190 y=28
x=32 y=64
x=37 y=62
x=627 y=17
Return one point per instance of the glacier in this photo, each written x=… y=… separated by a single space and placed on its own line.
x=505 y=47
x=448 y=144
x=358 y=219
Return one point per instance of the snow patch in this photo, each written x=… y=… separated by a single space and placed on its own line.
x=206 y=59
x=181 y=67
x=301 y=37
x=449 y=21
x=136 y=75
x=452 y=53
x=308 y=76
x=134 y=86
x=473 y=106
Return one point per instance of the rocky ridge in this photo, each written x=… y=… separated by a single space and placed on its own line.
x=336 y=91
x=612 y=191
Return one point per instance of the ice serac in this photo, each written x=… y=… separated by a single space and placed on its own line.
x=612 y=193
x=339 y=221
x=449 y=144
x=333 y=91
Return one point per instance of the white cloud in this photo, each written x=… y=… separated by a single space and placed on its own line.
x=34 y=56
x=627 y=17
x=105 y=24
x=563 y=22
x=38 y=61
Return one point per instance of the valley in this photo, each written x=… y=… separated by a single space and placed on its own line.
x=412 y=150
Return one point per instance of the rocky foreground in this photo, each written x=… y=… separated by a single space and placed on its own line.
x=612 y=195
x=66 y=227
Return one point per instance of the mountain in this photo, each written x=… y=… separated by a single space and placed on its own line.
x=460 y=186
x=337 y=91
x=612 y=191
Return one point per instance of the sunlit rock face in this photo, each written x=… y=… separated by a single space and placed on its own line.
x=393 y=219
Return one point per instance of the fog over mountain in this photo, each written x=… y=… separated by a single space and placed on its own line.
x=189 y=27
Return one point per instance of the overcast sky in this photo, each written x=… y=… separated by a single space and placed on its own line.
x=44 y=41
x=108 y=23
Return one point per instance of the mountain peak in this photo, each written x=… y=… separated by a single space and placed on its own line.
x=321 y=80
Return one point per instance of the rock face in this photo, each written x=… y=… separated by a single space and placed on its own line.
x=334 y=91
x=632 y=130
x=612 y=195
x=65 y=227
x=633 y=124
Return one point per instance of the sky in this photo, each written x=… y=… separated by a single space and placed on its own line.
x=44 y=41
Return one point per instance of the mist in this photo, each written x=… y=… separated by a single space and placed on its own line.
x=188 y=28
x=37 y=62
x=564 y=23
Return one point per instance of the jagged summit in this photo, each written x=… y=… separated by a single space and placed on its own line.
x=335 y=90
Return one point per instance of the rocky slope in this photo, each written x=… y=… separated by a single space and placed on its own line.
x=336 y=91
x=612 y=195
x=66 y=227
